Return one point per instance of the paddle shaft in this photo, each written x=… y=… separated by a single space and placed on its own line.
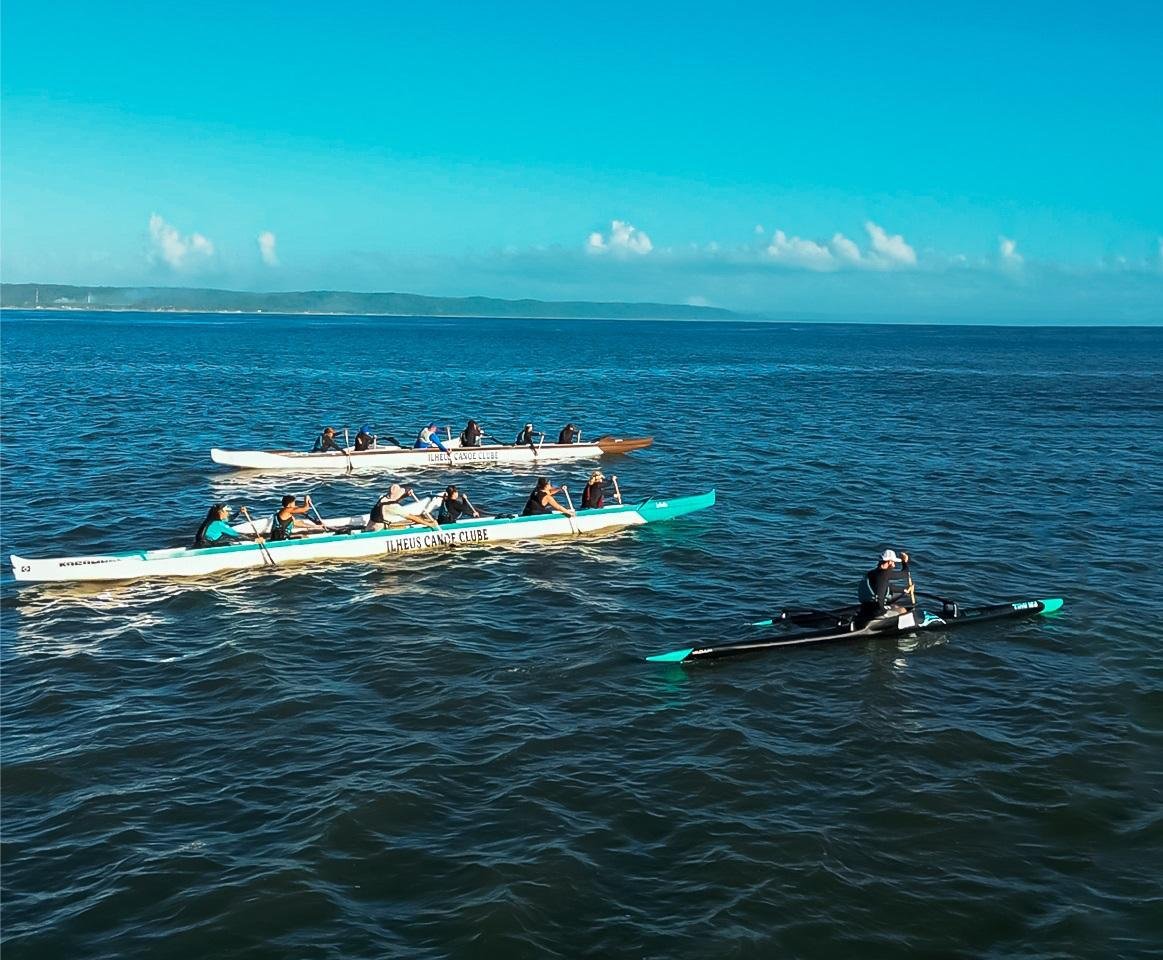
x=570 y=516
x=262 y=546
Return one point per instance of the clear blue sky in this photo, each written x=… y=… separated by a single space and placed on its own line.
x=994 y=159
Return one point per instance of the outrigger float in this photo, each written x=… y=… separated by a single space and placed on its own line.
x=392 y=457
x=832 y=626
x=348 y=542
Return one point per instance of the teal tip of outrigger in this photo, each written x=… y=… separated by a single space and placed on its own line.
x=675 y=656
x=1049 y=606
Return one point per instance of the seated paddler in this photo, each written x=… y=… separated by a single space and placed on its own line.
x=216 y=531
x=429 y=437
x=389 y=510
x=594 y=494
x=875 y=590
x=454 y=505
x=326 y=442
x=286 y=519
x=541 y=500
x=365 y=439
x=471 y=435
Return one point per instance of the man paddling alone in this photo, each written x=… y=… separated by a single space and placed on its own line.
x=875 y=587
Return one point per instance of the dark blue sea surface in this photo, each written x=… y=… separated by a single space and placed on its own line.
x=463 y=753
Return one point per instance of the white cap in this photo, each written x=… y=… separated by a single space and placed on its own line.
x=889 y=555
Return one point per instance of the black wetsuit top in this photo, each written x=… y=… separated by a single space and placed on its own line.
x=323 y=443
x=470 y=437
x=876 y=586
x=567 y=435
x=523 y=438
x=452 y=510
x=363 y=441
x=535 y=506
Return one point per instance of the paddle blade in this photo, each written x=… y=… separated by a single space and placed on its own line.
x=1049 y=606
x=675 y=656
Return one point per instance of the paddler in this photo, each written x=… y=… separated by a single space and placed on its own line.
x=594 y=493
x=429 y=437
x=541 y=500
x=390 y=507
x=286 y=519
x=454 y=505
x=365 y=439
x=471 y=435
x=215 y=531
x=569 y=434
x=525 y=438
x=326 y=442
x=876 y=585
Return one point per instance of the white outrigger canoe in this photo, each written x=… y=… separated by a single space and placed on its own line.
x=392 y=457
x=480 y=531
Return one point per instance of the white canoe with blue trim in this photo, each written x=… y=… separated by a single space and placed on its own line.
x=393 y=457
x=482 y=531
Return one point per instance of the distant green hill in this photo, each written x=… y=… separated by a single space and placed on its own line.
x=58 y=296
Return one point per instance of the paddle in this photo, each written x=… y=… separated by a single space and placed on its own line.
x=475 y=511
x=315 y=510
x=570 y=516
x=617 y=492
x=424 y=512
x=266 y=554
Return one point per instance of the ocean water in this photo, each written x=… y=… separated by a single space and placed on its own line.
x=464 y=754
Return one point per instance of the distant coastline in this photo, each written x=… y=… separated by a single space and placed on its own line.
x=52 y=296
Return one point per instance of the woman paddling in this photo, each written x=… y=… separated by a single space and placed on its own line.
x=389 y=509
x=541 y=500
x=594 y=494
x=216 y=532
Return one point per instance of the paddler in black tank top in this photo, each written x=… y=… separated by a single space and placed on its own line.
x=284 y=522
x=541 y=500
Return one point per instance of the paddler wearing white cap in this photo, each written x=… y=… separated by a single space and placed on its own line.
x=876 y=584
x=390 y=506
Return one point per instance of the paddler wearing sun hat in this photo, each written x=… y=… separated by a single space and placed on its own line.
x=390 y=506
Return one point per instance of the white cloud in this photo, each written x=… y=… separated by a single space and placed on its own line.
x=759 y=231
x=845 y=249
x=886 y=252
x=797 y=252
x=266 y=248
x=624 y=238
x=1007 y=251
x=172 y=248
x=890 y=250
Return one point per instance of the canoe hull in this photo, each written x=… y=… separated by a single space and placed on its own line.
x=914 y=621
x=182 y=562
x=395 y=458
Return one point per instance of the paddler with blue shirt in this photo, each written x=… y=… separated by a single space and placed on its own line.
x=216 y=532
x=429 y=437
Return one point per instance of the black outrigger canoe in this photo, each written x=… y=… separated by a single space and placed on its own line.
x=843 y=624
